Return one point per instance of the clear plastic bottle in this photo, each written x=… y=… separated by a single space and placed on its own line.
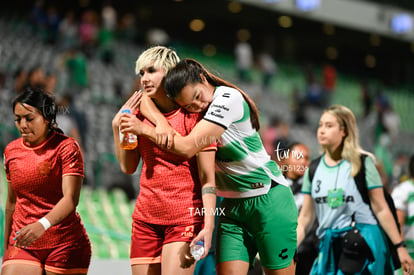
x=197 y=250
x=128 y=141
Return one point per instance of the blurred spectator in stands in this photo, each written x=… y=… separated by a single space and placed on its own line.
x=127 y=29
x=106 y=46
x=382 y=152
x=69 y=31
x=386 y=133
x=109 y=16
x=270 y=134
x=20 y=79
x=74 y=116
x=388 y=121
x=106 y=34
x=268 y=68
x=314 y=92
x=295 y=161
x=38 y=17
x=35 y=78
x=52 y=25
x=118 y=89
x=119 y=96
x=66 y=122
x=403 y=198
x=244 y=56
x=329 y=83
x=50 y=83
x=366 y=97
x=382 y=137
x=380 y=102
x=391 y=121
x=157 y=36
x=75 y=63
x=400 y=169
x=88 y=32
x=298 y=106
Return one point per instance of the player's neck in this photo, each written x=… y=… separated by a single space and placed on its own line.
x=165 y=105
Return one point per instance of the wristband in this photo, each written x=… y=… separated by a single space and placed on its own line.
x=400 y=244
x=45 y=223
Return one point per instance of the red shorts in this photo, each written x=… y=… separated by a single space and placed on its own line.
x=148 y=239
x=65 y=259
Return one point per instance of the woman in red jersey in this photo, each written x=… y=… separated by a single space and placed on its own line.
x=43 y=232
x=176 y=203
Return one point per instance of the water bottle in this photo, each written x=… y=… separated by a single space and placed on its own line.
x=128 y=141
x=197 y=250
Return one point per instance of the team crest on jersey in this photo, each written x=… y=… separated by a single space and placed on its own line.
x=43 y=168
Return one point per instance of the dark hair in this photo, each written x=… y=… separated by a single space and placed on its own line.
x=411 y=166
x=189 y=71
x=40 y=100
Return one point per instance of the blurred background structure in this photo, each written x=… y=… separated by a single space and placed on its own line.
x=293 y=57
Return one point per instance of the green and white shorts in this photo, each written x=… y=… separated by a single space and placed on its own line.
x=265 y=224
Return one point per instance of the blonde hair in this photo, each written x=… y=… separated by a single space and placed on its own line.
x=157 y=56
x=351 y=149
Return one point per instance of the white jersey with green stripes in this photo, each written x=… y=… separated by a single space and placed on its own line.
x=403 y=195
x=243 y=167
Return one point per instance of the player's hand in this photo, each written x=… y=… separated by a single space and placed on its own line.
x=130 y=123
x=204 y=235
x=132 y=104
x=164 y=135
x=28 y=234
x=407 y=264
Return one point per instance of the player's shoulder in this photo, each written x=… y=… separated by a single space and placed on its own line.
x=227 y=92
x=64 y=141
x=13 y=144
x=62 y=138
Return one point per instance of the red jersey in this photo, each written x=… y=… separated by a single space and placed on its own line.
x=35 y=174
x=169 y=185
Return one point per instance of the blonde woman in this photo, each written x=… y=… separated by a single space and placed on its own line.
x=333 y=198
x=175 y=191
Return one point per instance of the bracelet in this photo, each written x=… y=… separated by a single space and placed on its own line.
x=400 y=244
x=45 y=223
